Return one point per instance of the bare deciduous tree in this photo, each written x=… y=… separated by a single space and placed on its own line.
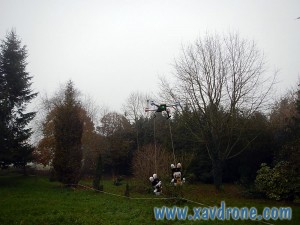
x=220 y=79
x=134 y=109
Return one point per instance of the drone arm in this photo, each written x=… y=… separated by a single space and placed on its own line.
x=152 y=103
x=176 y=104
x=149 y=110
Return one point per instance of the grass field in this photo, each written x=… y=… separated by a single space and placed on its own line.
x=34 y=200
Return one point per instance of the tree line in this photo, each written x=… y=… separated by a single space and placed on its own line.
x=226 y=128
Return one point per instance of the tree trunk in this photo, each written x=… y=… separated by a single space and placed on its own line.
x=217 y=172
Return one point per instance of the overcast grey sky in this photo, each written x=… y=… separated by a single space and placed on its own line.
x=111 y=48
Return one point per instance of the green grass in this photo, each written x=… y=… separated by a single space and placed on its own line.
x=35 y=200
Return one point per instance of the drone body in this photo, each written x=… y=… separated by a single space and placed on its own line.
x=160 y=107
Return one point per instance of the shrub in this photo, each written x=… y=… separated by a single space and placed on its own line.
x=277 y=183
x=144 y=162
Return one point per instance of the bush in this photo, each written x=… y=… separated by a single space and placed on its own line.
x=278 y=183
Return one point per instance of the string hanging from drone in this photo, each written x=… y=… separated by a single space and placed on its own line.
x=175 y=168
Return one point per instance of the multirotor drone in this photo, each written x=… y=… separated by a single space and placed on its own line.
x=160 y=107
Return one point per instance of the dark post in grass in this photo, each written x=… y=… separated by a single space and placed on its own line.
x=98 y=175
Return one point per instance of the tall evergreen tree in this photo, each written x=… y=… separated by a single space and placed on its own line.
x=68 y=128
x=15 y=94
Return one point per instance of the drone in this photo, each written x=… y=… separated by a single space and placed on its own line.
x=161 y=107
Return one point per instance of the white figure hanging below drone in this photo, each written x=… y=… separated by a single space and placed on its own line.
x=156 y=184
x=176 y=175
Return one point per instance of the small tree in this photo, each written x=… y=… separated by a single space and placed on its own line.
x=15 y=94
x=68 y=128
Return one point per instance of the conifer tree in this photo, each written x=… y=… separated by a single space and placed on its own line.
x=68 y=128
x=15 y=94
x=297 y=117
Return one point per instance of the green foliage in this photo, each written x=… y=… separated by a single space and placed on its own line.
x=277 y=183
x=15 y=93
x=68 y=128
